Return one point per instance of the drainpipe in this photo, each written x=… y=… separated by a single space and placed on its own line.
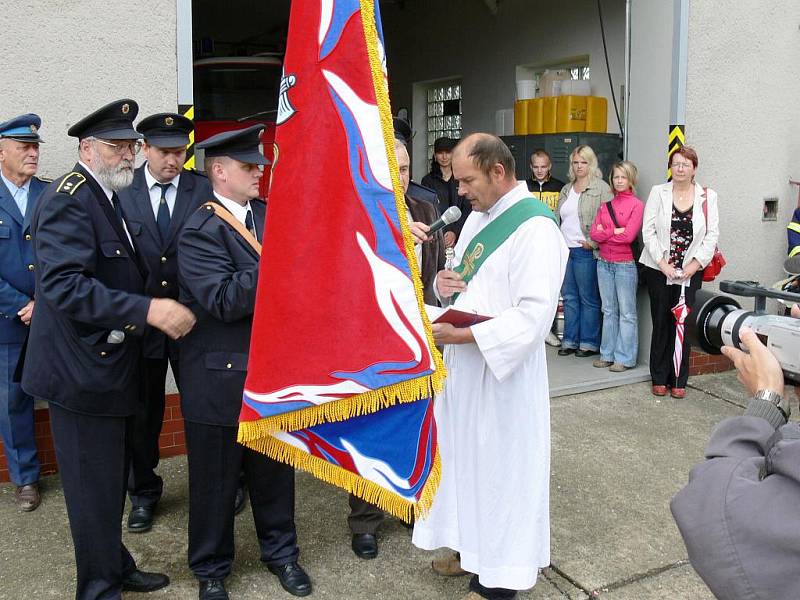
x=626 y=100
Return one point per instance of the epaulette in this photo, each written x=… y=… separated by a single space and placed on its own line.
x=71 y=182
x=45 y=179
x=200 y=216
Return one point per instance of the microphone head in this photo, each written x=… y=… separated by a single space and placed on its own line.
x=451 y=215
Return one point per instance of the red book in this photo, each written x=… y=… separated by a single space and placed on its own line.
x=457 y=318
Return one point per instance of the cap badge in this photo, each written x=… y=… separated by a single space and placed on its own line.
x=169 y=120
x=125 y=108
x=33 y=129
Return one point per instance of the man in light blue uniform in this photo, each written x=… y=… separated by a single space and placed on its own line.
x=19 y=191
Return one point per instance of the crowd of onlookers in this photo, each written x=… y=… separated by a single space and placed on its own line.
x=617 y=242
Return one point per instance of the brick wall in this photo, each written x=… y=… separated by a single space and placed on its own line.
x=701 y=363
x=172 y=441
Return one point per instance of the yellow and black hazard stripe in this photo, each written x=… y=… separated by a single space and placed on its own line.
x=677 y=138
x=187 y=110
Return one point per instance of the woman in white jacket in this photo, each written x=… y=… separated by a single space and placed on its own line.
x=679 y=235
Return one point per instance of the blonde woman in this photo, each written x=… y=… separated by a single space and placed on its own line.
x=679 y=237
x=615 y=228
x=577 y=207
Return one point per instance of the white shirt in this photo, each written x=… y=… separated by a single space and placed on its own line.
x=155 y=191
x=570 y=221
x=109 y=193
x=236 y=209
x=19 y=194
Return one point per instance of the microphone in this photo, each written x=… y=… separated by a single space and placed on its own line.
x=451 y=215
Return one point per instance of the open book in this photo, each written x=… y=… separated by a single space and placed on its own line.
x=457 y=318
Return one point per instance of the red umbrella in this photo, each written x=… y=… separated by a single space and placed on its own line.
x=681 y=311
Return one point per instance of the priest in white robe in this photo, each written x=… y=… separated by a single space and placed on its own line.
x=493 y=416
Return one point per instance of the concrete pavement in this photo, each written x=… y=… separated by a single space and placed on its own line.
x=618 y=457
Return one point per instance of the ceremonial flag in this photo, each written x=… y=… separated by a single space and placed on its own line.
x=342 y=361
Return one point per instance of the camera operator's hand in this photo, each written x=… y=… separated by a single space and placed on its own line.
x=758 y=370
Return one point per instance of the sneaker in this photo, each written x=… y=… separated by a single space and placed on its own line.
x=552 y=340
x=618 y=368
x=602 y=364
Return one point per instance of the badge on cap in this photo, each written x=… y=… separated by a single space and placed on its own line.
x=34 y=129
x=169 y=120
x=125 y=108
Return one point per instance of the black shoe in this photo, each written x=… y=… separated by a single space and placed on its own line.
x=241 y=500
x=293 y=578
x=213 y=589
x=142 y=581
x=566 y=351
x=365 y=545
x=585 y=353
x=140 y=519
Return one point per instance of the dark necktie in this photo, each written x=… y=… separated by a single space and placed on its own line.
x=117 y=208
x=163 y=218
x=248 y=222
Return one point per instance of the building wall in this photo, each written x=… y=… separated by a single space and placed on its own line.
x=742 y=92
x=462 y=38
x=64 y=59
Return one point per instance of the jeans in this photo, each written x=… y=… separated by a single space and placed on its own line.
x=581 y=301
x=618 y=281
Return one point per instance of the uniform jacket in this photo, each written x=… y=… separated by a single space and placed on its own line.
x=658 y=223
x=16 y=258
x=793 y=233
x=218 y=273
x=589 y=202
x=89 y=282
x=161 y=259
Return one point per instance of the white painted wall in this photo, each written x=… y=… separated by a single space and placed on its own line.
x=462 y=38
x=742 y=94
x=64 y=59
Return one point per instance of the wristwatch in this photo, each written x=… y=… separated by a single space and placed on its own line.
x=781 y=403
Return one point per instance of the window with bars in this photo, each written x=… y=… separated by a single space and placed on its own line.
x=444 y=112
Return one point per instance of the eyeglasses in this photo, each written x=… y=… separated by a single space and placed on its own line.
x=681 y=165
x=123 y=147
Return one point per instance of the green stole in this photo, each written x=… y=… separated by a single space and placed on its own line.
x=491 y=237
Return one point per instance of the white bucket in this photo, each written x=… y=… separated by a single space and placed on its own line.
x=526 y=89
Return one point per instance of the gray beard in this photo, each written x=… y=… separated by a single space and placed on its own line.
x=114 y=178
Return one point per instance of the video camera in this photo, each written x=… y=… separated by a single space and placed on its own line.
x=715 y=321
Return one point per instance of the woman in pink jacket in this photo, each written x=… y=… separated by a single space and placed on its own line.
x=615 y=228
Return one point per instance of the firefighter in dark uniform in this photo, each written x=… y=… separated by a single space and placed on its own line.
x=84 y=349
x=156 y=206
x=218 y=255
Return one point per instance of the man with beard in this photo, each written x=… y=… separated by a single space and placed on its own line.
x=84 y=345
x=156 y=206
x=19 y=191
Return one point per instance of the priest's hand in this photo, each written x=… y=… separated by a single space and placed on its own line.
x=449 y=283
x=445 y=333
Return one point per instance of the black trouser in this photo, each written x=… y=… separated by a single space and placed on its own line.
x=490 y=593
x=144 y=485
x=662 y=345
x=215 y=463
x=364 y=517
x=92 y=454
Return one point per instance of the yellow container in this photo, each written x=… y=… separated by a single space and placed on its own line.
x=596 y=114
x=520 y=117
x=549 y=112
x=571 y=115
x=535 y=115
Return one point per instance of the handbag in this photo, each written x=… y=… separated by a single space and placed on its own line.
x=714 y=267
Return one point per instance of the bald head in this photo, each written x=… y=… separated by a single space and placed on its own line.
x=484 y=168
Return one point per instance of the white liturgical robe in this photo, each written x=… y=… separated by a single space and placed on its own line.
x=493 y=417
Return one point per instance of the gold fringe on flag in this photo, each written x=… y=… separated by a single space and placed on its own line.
x=371 y=492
